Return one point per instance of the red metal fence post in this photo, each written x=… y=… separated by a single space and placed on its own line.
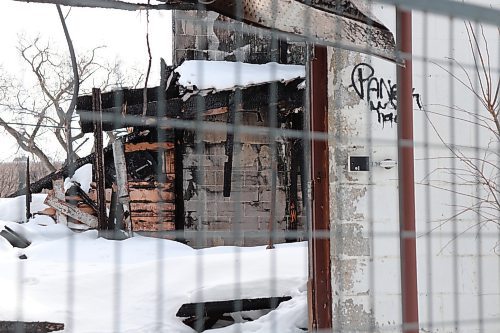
x=320 y=307
x=408 y=254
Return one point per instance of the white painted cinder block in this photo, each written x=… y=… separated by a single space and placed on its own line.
x=459 y=282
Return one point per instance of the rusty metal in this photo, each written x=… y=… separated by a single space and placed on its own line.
x=406 y=177
x=320 y=281
x=99 y=160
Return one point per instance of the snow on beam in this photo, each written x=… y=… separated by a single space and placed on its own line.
x=253 y=97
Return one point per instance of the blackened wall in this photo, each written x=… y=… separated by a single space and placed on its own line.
x=243 y=217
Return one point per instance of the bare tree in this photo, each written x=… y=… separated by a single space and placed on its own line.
x=45 y=107
x=12 y=172
x=477 y=168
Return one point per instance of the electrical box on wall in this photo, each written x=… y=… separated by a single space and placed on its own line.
x=359 y=163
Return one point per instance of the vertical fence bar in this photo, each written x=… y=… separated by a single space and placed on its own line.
x=320 y=282
x=406 y=176
x=99 y=160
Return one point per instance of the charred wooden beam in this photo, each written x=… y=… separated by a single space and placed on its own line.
x=221 y=307
x=84 y=197
x=118 y=115
x=15 y=239
x=112 y=209
x=229 y=147
x=29 y=327
x=179 y=182
x=59 y=194
x=65 y=171
x=27 y=189
x=99 y=160
x=293 y=190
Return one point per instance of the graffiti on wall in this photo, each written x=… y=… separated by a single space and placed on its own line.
x=379 y=93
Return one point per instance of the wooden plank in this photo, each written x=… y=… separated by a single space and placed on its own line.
x=123 y=195
x=86 y=209
x=152 y=224
x=69 y=210
x=169 y=167
x=15 y=239
x=131 y=147
x=167 y=185
x=216 y=111
x=58 y=186
x=221 y=307
x=49 y=211
x=99 y=173
x=93 y=194
x=151 y=195
x=154 y=207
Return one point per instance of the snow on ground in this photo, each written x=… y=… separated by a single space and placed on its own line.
x=14 y=209
x=137 y=285
x=226 y=75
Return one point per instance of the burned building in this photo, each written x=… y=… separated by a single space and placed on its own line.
x=184 y=178
x=190 y=164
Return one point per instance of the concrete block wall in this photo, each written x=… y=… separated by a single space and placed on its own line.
x=243 y=217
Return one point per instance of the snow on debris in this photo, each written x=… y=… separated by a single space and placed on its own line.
x=14 y=209
x=225 y=75
x=82 y=175
x=107 y=276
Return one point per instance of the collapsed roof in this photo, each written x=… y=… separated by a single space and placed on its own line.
x=179 y=96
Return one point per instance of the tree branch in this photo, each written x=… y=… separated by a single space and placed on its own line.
x=76 y=86
x=121 y=5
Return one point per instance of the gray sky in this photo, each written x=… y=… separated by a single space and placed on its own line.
x=122 y=32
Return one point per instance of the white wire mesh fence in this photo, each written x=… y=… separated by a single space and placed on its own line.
x=263 y=186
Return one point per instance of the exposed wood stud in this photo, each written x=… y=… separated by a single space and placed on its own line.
x=15 y=239
x=229 y=147
x=221 y=307
x=179 y=182
x=123 y=195
x=112 y=209
x=28 y=190
x=293 y=190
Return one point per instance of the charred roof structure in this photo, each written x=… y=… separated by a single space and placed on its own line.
x=184 y=165
x=162 y=163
